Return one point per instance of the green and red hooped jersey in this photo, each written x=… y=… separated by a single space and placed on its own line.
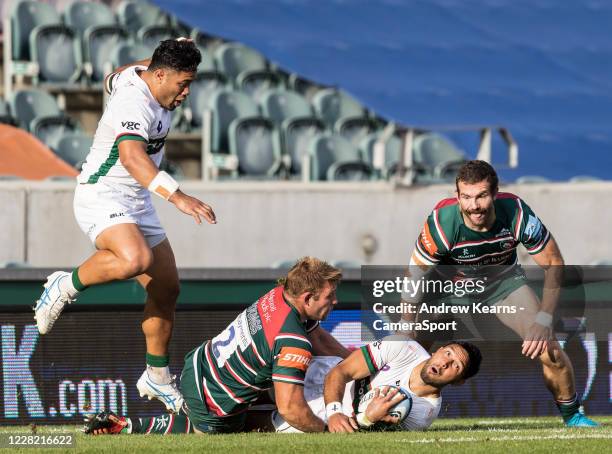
x=266 y=343
x=446 y=240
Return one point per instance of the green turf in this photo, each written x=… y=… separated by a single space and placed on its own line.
x=477 y=435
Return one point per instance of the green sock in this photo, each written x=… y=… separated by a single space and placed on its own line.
x=157 y=361
x=162 y=424
x=568 y=408
x=76 y=282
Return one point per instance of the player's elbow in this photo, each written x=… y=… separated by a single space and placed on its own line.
x=290 y=410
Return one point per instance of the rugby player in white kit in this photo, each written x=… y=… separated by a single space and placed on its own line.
x=333 y=387
x=113 y=206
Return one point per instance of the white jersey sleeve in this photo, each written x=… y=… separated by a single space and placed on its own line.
x=391 y=362
x=381 y=352
x=128 y=116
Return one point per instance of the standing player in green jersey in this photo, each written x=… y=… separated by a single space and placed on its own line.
x=266 y=346
x=482 y=227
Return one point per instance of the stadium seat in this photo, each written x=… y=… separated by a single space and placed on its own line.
x=150 y=36
x=247 y=68
x=25 y=17
x=146 y=22
x=303 y=86
x=206 y=41
x=256 y=83
x=228 y=106
x=99 y=33
x=5 y=114
x=532 y=179
x=234 y=59
x=125 y=53
x=256 y=143
x=333 y=105
x=83 y=16
x=57 y=50
x=134 y=15
x=38 y=112
x=295 y=118
x=393 y=153
x=73 y=148
x=99 y=45
x=438 y=156
x=343 y=114
x=334 y=158
x=207 y=82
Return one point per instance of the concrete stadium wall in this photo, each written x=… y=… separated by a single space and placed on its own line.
x=261 y=223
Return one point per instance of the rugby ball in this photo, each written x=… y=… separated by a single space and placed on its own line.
x=399 y=410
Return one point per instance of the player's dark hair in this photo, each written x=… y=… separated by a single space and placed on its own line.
x=176 y=55
x=474 y=358
x=476 y=171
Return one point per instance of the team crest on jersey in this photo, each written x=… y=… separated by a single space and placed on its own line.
x=159 y=126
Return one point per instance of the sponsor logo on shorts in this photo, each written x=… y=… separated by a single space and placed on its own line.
x=130 y=125
x=297 y=358
x=116 y=215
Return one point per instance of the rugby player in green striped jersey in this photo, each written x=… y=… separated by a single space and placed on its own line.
x=478 y=231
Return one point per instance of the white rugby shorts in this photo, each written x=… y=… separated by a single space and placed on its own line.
x=99 y=206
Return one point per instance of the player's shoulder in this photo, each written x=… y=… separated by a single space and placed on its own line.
x=446 y=216
x=403 y=345
x=509 y=204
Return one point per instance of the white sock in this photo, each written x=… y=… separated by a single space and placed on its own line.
x=159 y=375
x=67 y=287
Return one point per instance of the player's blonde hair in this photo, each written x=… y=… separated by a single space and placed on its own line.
x=309 y=274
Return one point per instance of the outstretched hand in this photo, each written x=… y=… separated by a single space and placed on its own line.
x=193 y=207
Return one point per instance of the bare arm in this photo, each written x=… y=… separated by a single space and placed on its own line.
x=352 y=368
x=551 y=261
x=293 y=408
x=324 y=344
x=133 y=156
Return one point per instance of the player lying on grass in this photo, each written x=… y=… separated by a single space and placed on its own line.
x=267 y=345
x=394 y=361
x=334 y=387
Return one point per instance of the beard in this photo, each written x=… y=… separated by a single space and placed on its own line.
x=430 y=380
x=483 y=220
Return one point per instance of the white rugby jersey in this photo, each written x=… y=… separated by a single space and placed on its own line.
x=391 y=361
x=132 y=113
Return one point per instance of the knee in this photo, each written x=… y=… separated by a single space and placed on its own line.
x=166 y=292
x=554 y=357
x=136 y=264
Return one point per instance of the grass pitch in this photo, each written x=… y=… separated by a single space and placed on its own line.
x=476 y=435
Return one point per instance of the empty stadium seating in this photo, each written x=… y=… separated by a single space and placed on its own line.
x=38 y=112
x=272 y=120
x=334 y=158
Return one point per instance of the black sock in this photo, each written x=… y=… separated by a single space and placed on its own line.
x=568 y=408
